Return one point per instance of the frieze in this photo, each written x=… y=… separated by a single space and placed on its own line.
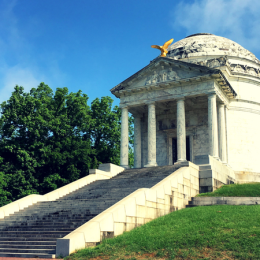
x=162 y=76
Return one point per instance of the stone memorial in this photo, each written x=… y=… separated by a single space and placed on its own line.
x=196 y=112
x=198 y=101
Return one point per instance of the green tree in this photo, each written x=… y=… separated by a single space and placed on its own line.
x=41 y=142
x=50 y=139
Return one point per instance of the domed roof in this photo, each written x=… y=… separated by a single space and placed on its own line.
x=206 y=44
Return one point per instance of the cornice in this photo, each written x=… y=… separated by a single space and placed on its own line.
x=218 y=77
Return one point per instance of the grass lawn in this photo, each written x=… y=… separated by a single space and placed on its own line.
x=212 y=232
x=235 y=190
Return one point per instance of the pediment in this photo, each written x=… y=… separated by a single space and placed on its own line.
x=163 y=70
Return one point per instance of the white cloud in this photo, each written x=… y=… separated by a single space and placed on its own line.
x=17 y=76
x=18 y=63
x=15 y=67
x=238 y=20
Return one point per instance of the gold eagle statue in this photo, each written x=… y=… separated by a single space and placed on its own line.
x=163 y=48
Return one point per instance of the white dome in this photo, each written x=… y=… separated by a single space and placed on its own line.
x=206 y=45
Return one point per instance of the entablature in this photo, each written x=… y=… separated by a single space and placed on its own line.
x=169 y=76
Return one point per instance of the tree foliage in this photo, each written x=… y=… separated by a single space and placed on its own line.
x=50 y=139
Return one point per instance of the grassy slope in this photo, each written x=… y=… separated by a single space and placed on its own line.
x=215 y=232
x=235 y=190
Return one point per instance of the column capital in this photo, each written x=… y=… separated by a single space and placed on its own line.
x=221 y=103
x=213 y=93
x=150 y=103
x=121 y=106
x=180 y=98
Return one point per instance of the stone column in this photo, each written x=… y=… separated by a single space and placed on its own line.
x=151 y=136
x=222 y=133
x=124 y=138
x=181 y=131
x=137 y=142
x=213 y=125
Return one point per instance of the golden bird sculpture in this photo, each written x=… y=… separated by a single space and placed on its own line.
x=163 y=48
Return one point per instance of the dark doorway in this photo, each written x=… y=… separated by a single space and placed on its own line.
x=174 y=149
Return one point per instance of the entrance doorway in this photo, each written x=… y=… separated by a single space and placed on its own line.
x=174 y=149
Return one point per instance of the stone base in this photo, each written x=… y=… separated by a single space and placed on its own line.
x=151 y=164
x=213 y=173
x=182 y=163
x=125 y=166
x=245 y=177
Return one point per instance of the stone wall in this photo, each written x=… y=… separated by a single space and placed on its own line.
x=243 y=138
x=243 y=129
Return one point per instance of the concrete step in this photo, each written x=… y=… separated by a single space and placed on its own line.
x=65 y=208
x=36 y=223
x=29 y=243
x=43 y=216
x=29 y=238
x=61 y=201
x=204 y=167
x=31 y=235
x=27 y=255
x=84 y=205
x=27 y=246
x=60 y=213
x=35 y=251
x=40 y=229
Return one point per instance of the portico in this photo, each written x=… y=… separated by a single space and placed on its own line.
x=150 y=119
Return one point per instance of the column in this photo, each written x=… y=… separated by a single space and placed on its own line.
x=151 y=136
x=137 y=142
x=213 y=125
x=222 y=133
x=181 y=131
x=124 y=138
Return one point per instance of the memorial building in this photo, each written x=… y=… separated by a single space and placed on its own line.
x=200 y=102
x=196 y=112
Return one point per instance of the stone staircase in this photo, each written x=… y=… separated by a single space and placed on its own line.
x=33 y=232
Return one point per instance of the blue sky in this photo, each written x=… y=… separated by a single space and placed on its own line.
x=92 y=45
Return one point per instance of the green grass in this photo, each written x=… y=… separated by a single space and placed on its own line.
x=213 y=232
x=235 y=190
